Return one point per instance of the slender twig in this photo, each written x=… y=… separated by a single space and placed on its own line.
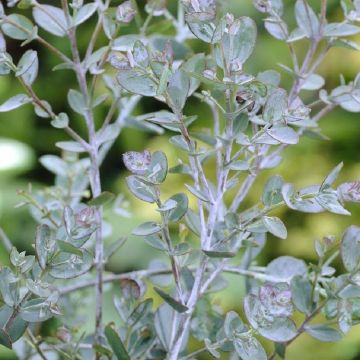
x=94 y=171
x=35 y=343
x=174 y=265
x=98 y=28
x=204 y=349
x=5 y=240
x=243 y=191
x=42 y=41
x=311 y=316
x=139 y=274
x=72 y=133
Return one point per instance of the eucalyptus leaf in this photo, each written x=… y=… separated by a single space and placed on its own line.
x=141 y=55
x=349 y=192
x=163 y=319
x=275 y=106
x=275 y=226
x=116 y=343
x=147 y=228
x=68 y=266
x=85 y=13
x=323 y=333
x=14 y=102
x=104 y=198
x=15 y=32
x=198 y=193
x=36 y=310
x=250 y=349
x=306 y=18
x=286 y=267
x=193 y=221
x=28 y=67
x=15 y=331
x=71 y=146
x=350 y=248
x=69 y=248
x=278 y=329
x=272 y=191
x=176 y=305
x=284 y=134
x=158 y=167
x=301 y=290
x=239 y=42
x=141 y=190
x=50 y=18
x=44 y=245
x=330 y=179
x=137 y=82
x=178 y=89
x=76 y=101
x=341 y=29
x=181 y=208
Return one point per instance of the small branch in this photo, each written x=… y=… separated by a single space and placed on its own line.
x=304 y=68
x=242 y=193
x=204 y=349
x=15 y=312
x=140 y=274
x=36 y=344
x=94 y=172
x=5 y=241
x=42 y=41
x=72 y=133
x=324 y=111
x=174 y=265
x=310 y=317
x=110 y=114
x=97 y=30
x=112 y=278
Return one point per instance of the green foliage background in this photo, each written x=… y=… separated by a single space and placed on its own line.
x=304 y=164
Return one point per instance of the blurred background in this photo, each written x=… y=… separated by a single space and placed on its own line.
x=24 y=137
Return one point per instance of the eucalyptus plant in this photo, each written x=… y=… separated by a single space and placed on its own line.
x=253 y=120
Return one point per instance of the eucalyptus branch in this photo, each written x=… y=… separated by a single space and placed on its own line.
x=5 y=240
x=243 y=191
x=302 y=328
x=174 y=265
x=95 y=173
x=42 y=41
x=36 y=345
x=72 y=133
x=253 y=120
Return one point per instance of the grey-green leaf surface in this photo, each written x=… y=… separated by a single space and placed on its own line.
x=275 y=106
x=181 y=207
x=249 y=348
x=13 y=31
x=178 y=89
x=14 y=102
x=85 y=13
x=350 y=248
x=272 y=191
x=141 y=190
x=275 y=226
x=147 y=228
x=176 y=305
x=306 y=18
x=51 y=18
x=137 y=82
x=43 y=244
x=28 y=67
x=323 y=333
x=116 y=343
x=67 y=266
